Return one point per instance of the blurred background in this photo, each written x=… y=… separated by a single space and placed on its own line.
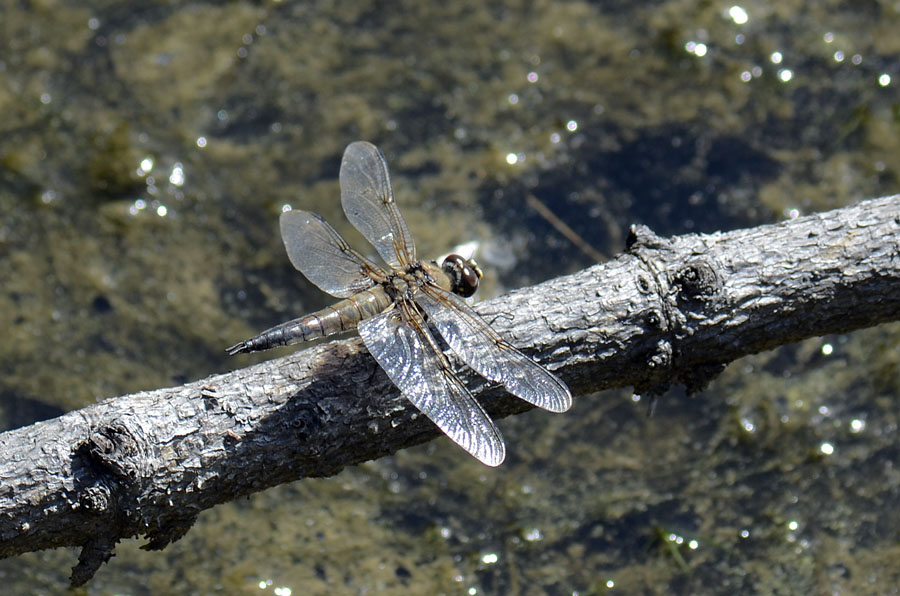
x=147 y=149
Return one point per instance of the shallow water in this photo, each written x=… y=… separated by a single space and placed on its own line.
x=145 y=155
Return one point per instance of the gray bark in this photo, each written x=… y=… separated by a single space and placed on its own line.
x=667 y=311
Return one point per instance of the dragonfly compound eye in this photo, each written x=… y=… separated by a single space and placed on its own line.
x=464 y=273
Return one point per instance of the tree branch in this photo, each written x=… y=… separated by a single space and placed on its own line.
x=667 y=311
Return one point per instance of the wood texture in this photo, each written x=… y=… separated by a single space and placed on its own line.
x=666 y=311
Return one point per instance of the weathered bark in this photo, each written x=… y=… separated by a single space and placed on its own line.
x=667 y=311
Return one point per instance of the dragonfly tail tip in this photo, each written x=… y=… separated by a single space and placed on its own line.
x=238 y=348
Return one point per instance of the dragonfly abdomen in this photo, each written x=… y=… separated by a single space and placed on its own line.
x=343 y=316
x=346 y=314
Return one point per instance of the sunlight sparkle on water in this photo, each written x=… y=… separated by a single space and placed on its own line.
x=136 y=207
x=201 y=142
x=698 y=49
x=827 y=349
x=785 y=75
x=162 y=211
x=146 y=166
x=177 y=175
x=776 y=57
x=738 y=15
x=857 y=425
x=826 y=448
x=533 y=535
x=489 y=558
x=884 y=79
x=571 y=126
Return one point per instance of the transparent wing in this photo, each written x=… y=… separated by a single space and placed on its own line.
x=320 y=254
x=368 y=201
x=423 y=374
x=490 y=355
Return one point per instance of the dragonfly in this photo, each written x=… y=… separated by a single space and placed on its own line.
x=397 y=309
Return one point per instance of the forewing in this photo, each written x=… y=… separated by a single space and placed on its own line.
x=423 y=375
x=323 y=256
x=368 y=201
x=490 y=355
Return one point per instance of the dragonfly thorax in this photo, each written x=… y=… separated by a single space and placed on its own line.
x=398 y=285
x=404 y=284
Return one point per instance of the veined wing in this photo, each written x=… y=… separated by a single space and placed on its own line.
x=323 y=256
x=368 y=201
x=409 y=356
x=490 y=355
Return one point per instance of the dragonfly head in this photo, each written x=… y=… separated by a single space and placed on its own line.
x=464 y=274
